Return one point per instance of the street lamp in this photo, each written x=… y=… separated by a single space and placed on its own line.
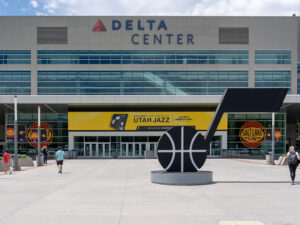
x=16 y=166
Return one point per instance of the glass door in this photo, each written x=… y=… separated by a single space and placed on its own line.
x=137 y=149
x=87 y=150
x=124 y=150
x=93 y=148
x=100 y=149
x=143 y=148
x=90 y=149
x=216 y=147
x=130 y=149
x=107 y=150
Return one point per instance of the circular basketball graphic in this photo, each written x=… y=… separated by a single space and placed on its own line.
x=46 y=135
x=252 y=134
x=182 y=149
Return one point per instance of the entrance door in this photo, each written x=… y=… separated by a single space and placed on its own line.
x=106 y=150
x=216 y=147
x=90 y=150
x=103 y=149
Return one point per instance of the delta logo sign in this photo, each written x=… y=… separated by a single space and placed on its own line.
x=142 y=35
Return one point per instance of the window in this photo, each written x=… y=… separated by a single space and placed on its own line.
x=140 y=82
x=142 y=57
x=273 y=79
x=272 y=57
x=15 y=57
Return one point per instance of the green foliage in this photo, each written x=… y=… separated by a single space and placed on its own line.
x=1 y=158
x=284 y=155
x=23 y=156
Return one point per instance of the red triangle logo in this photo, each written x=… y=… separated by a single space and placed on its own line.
x=99 y=26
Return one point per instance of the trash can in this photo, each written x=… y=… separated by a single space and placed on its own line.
x=269 y=158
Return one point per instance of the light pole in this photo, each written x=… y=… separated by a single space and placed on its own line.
x=273 y=138
x=16 y=166
x=39 y=136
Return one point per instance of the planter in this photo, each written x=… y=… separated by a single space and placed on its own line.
x=2 y=169
x=26 y=162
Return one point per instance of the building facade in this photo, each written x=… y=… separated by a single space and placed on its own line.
x=111 y=86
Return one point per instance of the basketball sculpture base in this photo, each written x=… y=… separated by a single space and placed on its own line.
x=177 y=178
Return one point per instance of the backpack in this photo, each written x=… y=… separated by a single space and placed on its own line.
x=292 y=158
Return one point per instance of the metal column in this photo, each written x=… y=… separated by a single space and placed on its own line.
x=16 y=165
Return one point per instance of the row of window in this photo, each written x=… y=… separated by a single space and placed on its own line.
x=15 y=57
x=273 y=57
x=139 y=82
x=146 y=76
x=132 y=91
x=15 y=82
x=145 y=57
x=273 y=79
x=15 y=75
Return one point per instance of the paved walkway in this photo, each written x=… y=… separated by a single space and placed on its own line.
x=113 y=192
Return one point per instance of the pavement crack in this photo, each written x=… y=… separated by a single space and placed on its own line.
x=124 y=194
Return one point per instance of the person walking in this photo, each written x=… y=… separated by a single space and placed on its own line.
x=60 y=159
x=45 y=153
x=293 y=158
x=6 y=159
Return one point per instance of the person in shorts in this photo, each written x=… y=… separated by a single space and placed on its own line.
x=60 y=159
x=6 y=159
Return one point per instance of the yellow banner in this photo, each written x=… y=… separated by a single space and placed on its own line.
x=150 y=121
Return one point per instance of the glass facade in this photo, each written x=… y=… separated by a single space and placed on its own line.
x=273 y=57
x=235 y=123
x=276 y=79
x=15 y=57
x=15 y=82
x=139 y=82
x=57 y=122
x=142 y=57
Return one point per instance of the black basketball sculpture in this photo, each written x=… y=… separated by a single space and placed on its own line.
x=183 y=149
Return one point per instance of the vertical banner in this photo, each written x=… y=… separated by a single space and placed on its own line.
x=277 y=134
x=10 y=132
x=21 y=133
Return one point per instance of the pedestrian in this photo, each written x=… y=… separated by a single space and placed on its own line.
x=60 y=159
x=6 y=159
x=45 y=153
x=293 y=158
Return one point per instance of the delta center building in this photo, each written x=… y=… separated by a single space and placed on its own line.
x=111 y=86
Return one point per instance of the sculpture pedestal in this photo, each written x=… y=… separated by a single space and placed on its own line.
x=177 y=178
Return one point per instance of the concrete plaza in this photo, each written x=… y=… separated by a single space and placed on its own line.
x=114 y=192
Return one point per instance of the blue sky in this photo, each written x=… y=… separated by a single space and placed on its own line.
x=150 y=7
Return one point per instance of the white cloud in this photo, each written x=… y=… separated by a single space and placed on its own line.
x=172 y=7
x=34 y=4
x=247 y=8
x=41 y=14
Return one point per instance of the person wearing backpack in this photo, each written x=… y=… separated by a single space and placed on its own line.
x=293 y=158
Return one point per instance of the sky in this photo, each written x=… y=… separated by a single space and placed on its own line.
x=150 y=7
